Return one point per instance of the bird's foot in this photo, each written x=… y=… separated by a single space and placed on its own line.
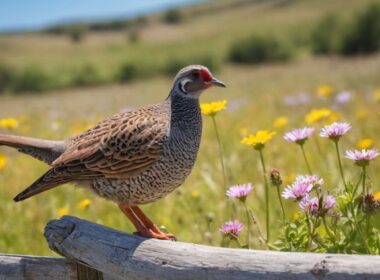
x=149 y=233
x=145 y=227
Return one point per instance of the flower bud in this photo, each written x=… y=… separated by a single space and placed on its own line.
x=369 y=204
x=275 y=177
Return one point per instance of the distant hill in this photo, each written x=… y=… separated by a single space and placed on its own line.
x=213 y=33
x=168 y=16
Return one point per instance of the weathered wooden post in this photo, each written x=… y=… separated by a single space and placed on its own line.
x=120 y=255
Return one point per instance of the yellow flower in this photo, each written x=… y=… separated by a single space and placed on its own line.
x=244 y=131
x=23 y=118
x=9 y=123
x=195 y=194
x=259 y=139
x=24 y=129
x=376 y=94
x=280 y=122
x=210 y=109
x=324 y=90
x=361 y=114
x=3 y=161
x=84 y=204
x=288 y=179
x=376 y=195
x=63 y=211
x=365 y=143
x=335 y=116
x=295 y=216
x=317 y=115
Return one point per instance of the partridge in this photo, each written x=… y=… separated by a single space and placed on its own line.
x=131 y=158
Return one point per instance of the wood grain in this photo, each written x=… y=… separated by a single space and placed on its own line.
x=127 y=256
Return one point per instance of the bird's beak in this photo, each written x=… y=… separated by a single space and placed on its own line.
x=215 y=82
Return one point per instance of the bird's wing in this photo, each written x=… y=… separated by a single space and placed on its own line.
x=120 y=147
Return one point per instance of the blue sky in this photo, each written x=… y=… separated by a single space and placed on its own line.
x=34 y=14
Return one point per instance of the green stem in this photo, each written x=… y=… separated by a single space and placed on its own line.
x=228 y=239
x=248 y=226
x=220 y=152
x=255 y=222
x=356 y=187
x=282 y=206
x=266 y=194
x=238 y=242
x=364 y=186
x=310 y=238
x=329 y=233
x=305 y=158
x=368 y=225
x=340 y=164
x=358 y=228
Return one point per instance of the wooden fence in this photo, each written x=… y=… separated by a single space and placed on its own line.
x=96 y=252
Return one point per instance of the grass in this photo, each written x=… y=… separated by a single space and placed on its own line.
x=249 y=91
x=199 y=35
x=255 y=95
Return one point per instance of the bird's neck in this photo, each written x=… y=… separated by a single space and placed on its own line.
x=185 y=112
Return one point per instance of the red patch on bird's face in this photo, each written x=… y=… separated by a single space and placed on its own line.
x=206 y=74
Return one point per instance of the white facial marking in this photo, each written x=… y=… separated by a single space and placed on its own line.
x=183 y=83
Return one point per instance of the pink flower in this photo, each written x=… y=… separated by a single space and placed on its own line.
x=310 y=179
x=232 y=228
x=335 y=130
x=302 y=186
x=343 y=97
x=329 y=202
x=362 y=157
x=310 y=205
x=239 y=191
x=299 y=135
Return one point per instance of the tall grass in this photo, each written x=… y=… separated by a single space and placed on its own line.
x=197 y=209
x=256 y=97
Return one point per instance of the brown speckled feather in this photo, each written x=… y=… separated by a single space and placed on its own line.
x=132 y=158
x=120 y=147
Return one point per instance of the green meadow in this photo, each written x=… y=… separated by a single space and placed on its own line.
x=257 y=95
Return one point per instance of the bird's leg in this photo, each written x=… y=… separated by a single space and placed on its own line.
x=144 y=226
x=150 y=225
x=126 y=209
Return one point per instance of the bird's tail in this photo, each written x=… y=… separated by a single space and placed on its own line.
x=48 y=181
x=44 y=150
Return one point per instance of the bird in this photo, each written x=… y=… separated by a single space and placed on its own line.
x=132 y=158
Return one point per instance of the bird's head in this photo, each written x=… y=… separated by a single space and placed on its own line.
x=192 y=80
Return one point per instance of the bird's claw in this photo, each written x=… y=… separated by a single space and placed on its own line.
x=157 y=235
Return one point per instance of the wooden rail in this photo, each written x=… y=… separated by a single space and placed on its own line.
x=96 y=252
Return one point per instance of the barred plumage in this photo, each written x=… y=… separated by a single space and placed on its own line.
x=132 y=158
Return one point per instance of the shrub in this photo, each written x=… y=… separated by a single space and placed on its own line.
x=76 y=32
x=326 y=37
x=364 y=36
x=173 y=16
x=133 y=35
x=130 y=71
x=260 y=49
x=31 y=78
x=87 y=75
x=174 y=64
x=6 y=77
x=140 y=22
